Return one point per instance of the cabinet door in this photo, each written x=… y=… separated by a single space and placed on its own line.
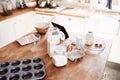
x=76 y=25
x=24 y=24
x=28 y=21
x=7 y=33
x=38 y=18
x=72 y=24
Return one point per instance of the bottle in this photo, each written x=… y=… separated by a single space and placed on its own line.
x=89 y=39
x=53 y=39
x=78 y=42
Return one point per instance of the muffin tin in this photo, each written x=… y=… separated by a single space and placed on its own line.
x=27 y=69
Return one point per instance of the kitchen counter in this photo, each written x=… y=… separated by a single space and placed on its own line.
x=75 y=12
x=65 y=11
x=16 y=12
x=90 y=67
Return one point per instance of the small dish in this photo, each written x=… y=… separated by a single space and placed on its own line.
x=96 y=48
x=59 y=60
x=74 y=55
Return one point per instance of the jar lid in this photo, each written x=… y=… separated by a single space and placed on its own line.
x=90 y=32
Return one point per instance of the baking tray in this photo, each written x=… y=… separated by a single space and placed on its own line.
x=26 y=69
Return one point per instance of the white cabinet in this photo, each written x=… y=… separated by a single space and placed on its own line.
x=72 y=24
x=119 y=30
x=102 y=24
x=7 y=32
x=115 y=50
x=23 y=24
x=14 y=28
x=38 y=18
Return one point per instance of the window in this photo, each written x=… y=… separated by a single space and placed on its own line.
x=101 y=5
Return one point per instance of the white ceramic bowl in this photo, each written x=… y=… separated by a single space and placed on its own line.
x=59 y=60
x=31 y=4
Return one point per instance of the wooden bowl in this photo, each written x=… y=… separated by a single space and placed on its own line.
x=42 y=28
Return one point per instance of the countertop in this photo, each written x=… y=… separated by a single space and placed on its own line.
x=90 y=67
x=75 y=12
x=15 y=12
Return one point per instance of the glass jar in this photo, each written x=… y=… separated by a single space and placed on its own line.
x=53 y=39
x=78 y=42
x=60 y=50
x=53 y=32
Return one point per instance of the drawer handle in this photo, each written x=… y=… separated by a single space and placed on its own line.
x=69 y=19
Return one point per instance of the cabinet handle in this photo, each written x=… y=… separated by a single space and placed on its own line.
x=69 y=19
x=15 y=23
x=42 y=17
